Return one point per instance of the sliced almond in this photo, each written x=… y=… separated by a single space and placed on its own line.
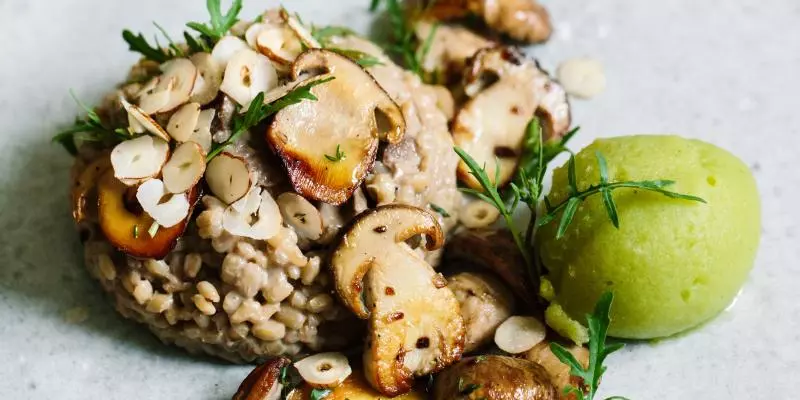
x=185 y=168
x=519 y=334
x=151 y=196
x=178 y=79
x=228 y=177
x=137 y=115
x=252 y=33
x=324 y=370
x=151 y=98
x=224 y=50
x=181 y=125
x=208 y=80
x=279 y=44
x=202 y=130
x=140 y=158
x=240 y=218
x=302 y=33
x=248 y=74
x=301 y=215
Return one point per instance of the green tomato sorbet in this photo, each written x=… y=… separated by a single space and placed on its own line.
x=673 y=264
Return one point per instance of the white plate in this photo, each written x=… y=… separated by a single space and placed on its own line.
x=724 y=71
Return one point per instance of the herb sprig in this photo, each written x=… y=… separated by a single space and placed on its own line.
x=258 y=111
x=88 y=129
x=361 y=58
x=338 y=156
x=319 y=394
x=404 y=44
x=569 y=206
x=598 y=351
x=220 y=24
x=140 y=45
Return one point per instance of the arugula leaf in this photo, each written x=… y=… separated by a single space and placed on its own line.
x=598 y=323
x=89 y=129
x=220 y=24
x=258 y=111
x=319 y=394
x=139 y=44
x=196 y=45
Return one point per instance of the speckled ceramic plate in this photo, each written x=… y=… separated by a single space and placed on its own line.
x=721 y=71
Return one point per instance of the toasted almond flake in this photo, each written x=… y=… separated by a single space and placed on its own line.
x=182 y=123
x=140 y=158
x=252 y=33
x=178 y=80
x=185 y=168
x=519 y=334
x=202 y=131
x=246 y=75
x=301 y=214
x=209 y=78
x=240 y=219
x=302 y=33
x=151 y=195
x=229 y=178
x=324 y=370
x=138 y=115
x=224 y=50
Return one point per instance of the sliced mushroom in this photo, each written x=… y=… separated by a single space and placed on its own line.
x=485 y=303
x=301 y=215
x=185 y=168
x=226 y=48
x=507 y=92
x=165 y=208
x=202 y=131
x=450 y=47
x=264 y=382
x=255 y=216
x=414 y=323
x=138 y=119
x=209 y=78
x=276 y=41
x=494 y=377
x=324 y=370
x=139 y=159
x=125 y=224
x=229 y=178
x=559 y=372
x=328 y=146
x=181 y=124
x=246 y=75
x=524 y=20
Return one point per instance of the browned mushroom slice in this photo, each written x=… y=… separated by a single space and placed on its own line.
x=524 y=20
x=559 y=372
x=328 y=146
x=494 y=377
x=506 y=92
x=415 y=326
x=263 y=383
x=485 y=304
x=450 y=48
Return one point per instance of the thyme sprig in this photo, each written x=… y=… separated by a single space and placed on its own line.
x=403 y=42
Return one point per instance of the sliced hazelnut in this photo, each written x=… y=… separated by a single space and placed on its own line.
x=177 y=81
x=415 y=327
x=226 y=48
x=255 y=216
x=126 y=229
x=328 y=146
x=185 y=168
x=209 y=78
x=165 y=208
x=138 y=119
x=151 y=98
x=299 y=30
x=246 y=75
x=229 y=178
x=202 y=131
x=279 y=44
x=507 y=91
x=139 y=159
x=181 y=124
x=519 y=334
x=301 y=215
x=324 y=370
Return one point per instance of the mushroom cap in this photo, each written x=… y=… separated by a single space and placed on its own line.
x=351 y=115
x=263 y=382
x=495 y=377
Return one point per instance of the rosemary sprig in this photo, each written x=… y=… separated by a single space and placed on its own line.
x=598 y=351
x=338 y=156
x=404 y=44
x=439 y=210
x=88 y=129
x=569 y=206
x=220 y=24
x=258 y=111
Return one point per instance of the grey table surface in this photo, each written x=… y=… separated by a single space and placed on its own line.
x=725 y=71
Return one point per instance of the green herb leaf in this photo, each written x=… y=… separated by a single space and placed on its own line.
x=441 y=211
x=573 y=180
x=324 y=34
x=567 y=216
x=258 y=111
x=136 y=231
x=88 y=129
x=139 y=44
x=220 y=24
x=361 y=58
x=338 y=156
x=404 y=46
x=319 y=394
x=196 y=45
x=175 y=51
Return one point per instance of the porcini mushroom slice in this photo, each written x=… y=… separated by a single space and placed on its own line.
x=165 y=208
x=264 y=382
x=524 y=20
x=414 y=323
x=185 y=168
x=225 y=49
x=246 y=75
x=255 y=216
x=228 y=176
x=324 y=370
x=492 y=125
x=138 y=159
x=181 y=124
x=178 y=80
x=202 y=130
x=328 y=146
x=209 y=78
x=279 y=44
x=519 y=334
x=140 y=117
x=301 y=215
